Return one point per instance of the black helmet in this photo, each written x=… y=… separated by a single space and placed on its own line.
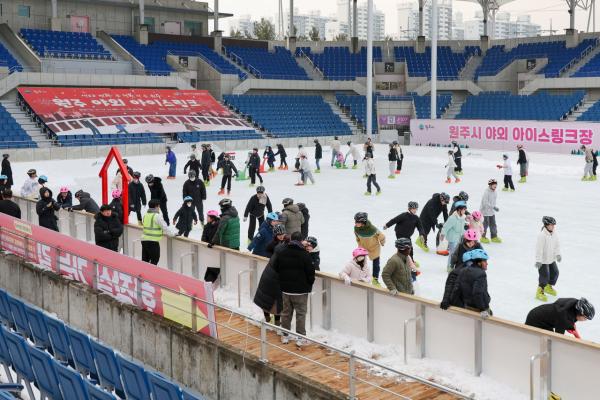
x=260 y=189
x=137 y=174
x=225 y=203
x=32 y=171
x=585 y=308
x=548 y=220
x=413 y=204
x=403 y=244
x=192 y=156
x=348 y=143
x=464 y=196
x=492 y=182
x=78 y=193
x=312 y=241
x=279 y=230
x=287 y=201
x=361 y=217
x=191 y=174
x=125 y=161
x=395 y=142
x=445 y=197
x=450 y=152
x=149 y=178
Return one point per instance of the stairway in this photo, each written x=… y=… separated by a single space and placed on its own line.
x=577 y=66
x=454 y=108
x=345 y=119
x=23 y=119
x=306 y=64
x=468 y=72
x=587 y=103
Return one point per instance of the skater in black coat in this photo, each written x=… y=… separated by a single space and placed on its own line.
x=116 y=205
x=457 y=157
x=270 y=156
x=205 y=162
x=137 y=196
x=185 y=217
x=318 y=154
x=255 y=209
x=7 y=170
x=561 y=315
x=64 y=198
x=438 y=204
x=268 y=294
x=209 y=231
x=86 y=203
x=157 y=192
x=254 y=167
x=406 y=223
x=193 y=165
x=282 y=156
x=46 y=208
x=229 y=170
x=470 y=289
x=195 y=189
x=304 y=226
x=107 y=228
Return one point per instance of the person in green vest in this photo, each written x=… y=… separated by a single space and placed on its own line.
x=154 y=227
x=228 y=231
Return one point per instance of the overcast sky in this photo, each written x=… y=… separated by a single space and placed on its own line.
x=541 y=11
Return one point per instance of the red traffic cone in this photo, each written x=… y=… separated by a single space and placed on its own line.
x=262 y=166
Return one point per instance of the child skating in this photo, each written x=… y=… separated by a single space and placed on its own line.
x=370 y=238
x=475 y=221
x=185 y=217
x=547 y=254
x=269 y=155
x=508 y=182
x=305 y=170
x=589 y=164
x=371 y=175
x=393 y=161
x=400 y=157
x=229 y=170
x=450 y=169
x=282 y=157
x=488 y=209
x=354 y=152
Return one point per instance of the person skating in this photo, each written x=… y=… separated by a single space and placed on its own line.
x=30 y=188
x=116 y=205
x=318 y=155
x=354 y=152
x=229 y=170
x=268 y=294
x=369 y=147
x=306 y=214
x=469 y=242
x=457 y=154
x=7 y=170
x=193 y=165
x=228 y=231
x=171 y=159
x=357 y=269
x=9 y=207
x=194 y=151
x=371 y=174
x=393 y=161
x=397 y=271
x=213 y=158
x=205 y=164
x=523 y=163
x=117 y=182
x=107 y=228
x=311 y=245
x=264 y=236
x=195 y=189
x=400 y=157
x=86 y=203
x=508 y=182
x=370 y=238
x=282 y=156
x=335 y=149
x=301 y=152
x=292 y=217
x=137 y=196
x=450 y=297
x=254 y=167
x=406 y=223
x=461 y=196
x=154 y=228
x=475 y=221
x=547 y=254
x=594 y=164
x=305 y=169
x=489 y=209
x=589 y=163
x=450 y=168
x=157 y=192
x=561 y=316
x=435 y=206
x=270 y=156
x=454 y=229
x=255 y=209
x=280 y=237
x=470 y=289
x=185 y=218
x=46 y=208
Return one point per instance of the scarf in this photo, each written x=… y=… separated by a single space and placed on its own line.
x=262 y=198
x=366 y=231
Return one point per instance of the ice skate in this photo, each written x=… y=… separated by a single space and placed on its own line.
x=206 y=183
x=523 y=180
x=496 y=240
x=550 y=290
x=448 y=180
x=505 y=189
x=285 y=339
x=301 y=343
x=354 y=166
x=422 y=244
x=221 y=192
x=391 y=176
x=484 y=240
x=512 y=190
x=367 y=193
x=299 y=184
x=585 y=178
x=397 y=172
x=378 y=193
x=540 y=295
x=457 y=180
x=317 y=171
x=251 y=185
x=375 y=282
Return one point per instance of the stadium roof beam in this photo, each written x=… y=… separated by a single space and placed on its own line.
x=584 y=5
x=488 y=6
x=354 y=26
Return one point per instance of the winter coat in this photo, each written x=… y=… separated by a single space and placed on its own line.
x=355 y=272
x=7 y=170
x=157 y=191
x=522 y=157
x=432 y=210
x=397 y=274
x=193 y=165
x=46 y=214
x=457 y=152
x=392 y=155
x=292 y=218
x=171 y=158
x=185 y=217
x=488 y=202
x=306 y=215
x=137 y=195
x=209 y=230
x=588 y=155
x=451 y=163
x=87 y=204
x=507 y=167
x=370 y=238
x=263 y=237
x=305 y=165
x=229 y=168
x=65 y=202
x=456 y=258
x=318 y=151
x=301 y=152
x=42 y=189
x=405 y=225
x=370 y=167
x=547 y=247
x=268 y=293
x=117 y=208
x=117 y=182
x=254 y=161
x=30 y=188
x=477 y=226
x=449 y=288
x=107 y=231
x=254 y=207
x=471 y=288
x=281 y=152
x=270 y=155
x=195 y=189
x=454 y=228
x=275 y=244
x=11 y=208
x=228 y=231
x=315 y=256
x=294 y=266
x=558 y=317
x=354 y=151
x=336 y=145
x=205 y=159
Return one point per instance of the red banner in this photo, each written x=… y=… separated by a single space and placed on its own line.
x=130 y=281
x=95 y=111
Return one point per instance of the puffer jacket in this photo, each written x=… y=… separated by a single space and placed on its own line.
x=228 y=232
x=293 y=219
x=451 y=163
x=46 y=208
x=471 y=288
x=588 y=155
x=65 y=202
x=86 y=203
x=185 y=217
x=157 y=191
x=107 y=231
x=370 y=238
x=295 y=268
x=432 y=210
x=355 y=272
x=454 y=228
x=370 y=167
x=488 y=202
x=354 y=152
x=547 y=247
x=256 y=208
x=260 y=241
x=558 y=317
x=268 y=294
x=397 y=274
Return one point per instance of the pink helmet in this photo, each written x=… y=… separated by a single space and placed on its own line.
x=471 y=234
x=476 y=215
x=64 y=189
x=359 y=251
x=116 y=193
x=213 y=213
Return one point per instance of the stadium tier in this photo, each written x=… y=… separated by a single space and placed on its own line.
x=65 y=44
x=590 y=69
x=338 y=63
x=504 y=106
x=357 y=108
x=7 y=60
x=12 y=135
x=109 y=139
x=265 y=64
x=64 y=363
x=215 y=136
x=449 y=63
x=591 y=114
x=153 y=58
x=423 y=105
x=289 y=116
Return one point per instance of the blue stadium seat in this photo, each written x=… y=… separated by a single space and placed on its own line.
x=338 y=63
x=161 y=388
x=45 y=373
x=59 y=339
x=17 y=308
x=5 y=359
x=7 y=60
x=449 y=63
x=264 y=64
x=80 y=45
x=39 y=330
x=19 y=355
x=71 y=383
x=96 y=393
x=5 y=313
x=12 y=135
x=134 y=379
x=83 y=355
x=108 y=369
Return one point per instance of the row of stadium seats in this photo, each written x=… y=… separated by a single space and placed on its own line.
x=64 y=363
x=7 y=60
x=289 y=116
x=423 y=105
x=215 y=136
x=12 y=134
x=264 y=64
x=338 y=63
x=109 y=139
x=154 y=59
x=591 y=114
x=541 y=106
x=449 y=63
x=357 y=107
x=65 y=44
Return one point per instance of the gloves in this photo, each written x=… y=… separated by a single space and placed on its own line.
x=245 y=219
x=439 y=226
x=559 y=258
x=444 y=305
x=574 y=333
x=70 y=209
x=385 y=227
x=538 y=265
x=393 y=292
x=485 y=314
x=496 y=209
x=210 y=245
x=347 y=281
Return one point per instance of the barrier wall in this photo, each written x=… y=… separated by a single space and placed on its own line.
x=500 y=349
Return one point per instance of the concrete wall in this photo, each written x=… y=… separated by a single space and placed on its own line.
x=32 y=61
x=207 y=366
x=212 y=80
x=86 y=66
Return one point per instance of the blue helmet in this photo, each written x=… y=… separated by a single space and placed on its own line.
x=474 y=255
x=43 y=178
x=460 y=204
x=187 y=198
x=2 y=177
x=273 y=216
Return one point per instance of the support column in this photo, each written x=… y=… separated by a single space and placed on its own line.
x=291 y=33
x=217 y=41
x=572 y=5
x=485 y=44
x=55 y=23
x=216 y=15
x=434 y=37
x=369 y=68
x=141 y=31
x=355 y=26
x=421 y=37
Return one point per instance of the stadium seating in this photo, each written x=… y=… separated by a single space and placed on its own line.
x=289 y=116
x=154 y=59
x=7 y=60
x=12 y=135
x=65 y=44
x=215 y=136
x=504 y=106
x=423 y=105
x=449 y=63
x=338 y=63
x=88 y=370
x=591 y=114
x=265 y=64
x=109 y=139
x=357 y=107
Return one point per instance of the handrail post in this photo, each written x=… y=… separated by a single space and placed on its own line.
x=351 y=374
x=478 y=342
x=370 y=315
x=263 y=342
x=545 y=373
x=182 y=257
x=223 y=268
x=170 y=260
x=239 y=285
x=406 y=322
x=253 y=276
x=420 y=330
x=95 y=276
x=88 y=228
x=194 y=314
x=133 y=246
x=326 y=304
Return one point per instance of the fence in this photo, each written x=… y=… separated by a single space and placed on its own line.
x=502 y=350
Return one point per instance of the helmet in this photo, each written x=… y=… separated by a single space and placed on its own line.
x=2 y=177
x=413 y=204
x=312 y=241
x=287 y=201
x=476 y=215
x=445 y=197
x=359 y=251
x=116 y=193
x=192 y=174
x=348 y=143
x=225 y=203
x=273 y=216
x=31 y=172
x=466 y=256
x=403 y=244
x=187 y=198
x=395 y=142
x=470 y=234
x=478 y=254
x=260 y=189
x=213 y=213
x=78 y=193
x=492 y=182
x=279 y=230
x=137 y=174
x=43 y=178
x=505 y=156
x=64 y=189
x=149 y=178
x=460 y=204
x=361 y=217
x=192 y=156
x=463 y=196
x=585 y=308
x=450 y=152
x=548 y=221
x=125 y=161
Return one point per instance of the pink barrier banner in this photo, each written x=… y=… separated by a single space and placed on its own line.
x=130 y=281
x=543 y=136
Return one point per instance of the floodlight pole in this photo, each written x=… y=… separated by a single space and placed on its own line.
x=434 y=39
x=216 y=11
x=142 y=14
x=369 y=67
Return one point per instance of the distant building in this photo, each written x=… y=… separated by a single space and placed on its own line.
x=408 y=20
x=243 y=23
x=345 y=25
x=502 y=27
x=305 y=22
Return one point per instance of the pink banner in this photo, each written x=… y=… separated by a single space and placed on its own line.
x=555 y=137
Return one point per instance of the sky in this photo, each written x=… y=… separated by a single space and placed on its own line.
x=541 y=11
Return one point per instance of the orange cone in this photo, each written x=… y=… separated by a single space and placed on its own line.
x=262 y=166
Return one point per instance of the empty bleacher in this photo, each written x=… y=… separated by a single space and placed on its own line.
x=423 y=105
x=108 y=139
x=80 y=45
x=7 y=60
x=592 y=114
x=289 y=116
x=505 y=106
x=356 y=106
x=216 y=136
x=338 y=63
x=64 y=363
x=154 y=59
x=264 y=64
x=449 y=63
x=12 y=135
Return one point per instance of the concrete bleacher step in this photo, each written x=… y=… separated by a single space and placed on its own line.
x=345 y=119
x=578 y=65
x=454 y=109
x=468 y=72
x=308 y=66
x=28 y=126
x=587 y=104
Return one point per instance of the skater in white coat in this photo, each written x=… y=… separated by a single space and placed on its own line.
x=354 y=151
x=335 y=149
x=305 y=171
x=508 y=182
x=357 y=269
x=488 y=210
x=371 y=174
x=450 y=168
x=301 y=152
x=547 y=254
